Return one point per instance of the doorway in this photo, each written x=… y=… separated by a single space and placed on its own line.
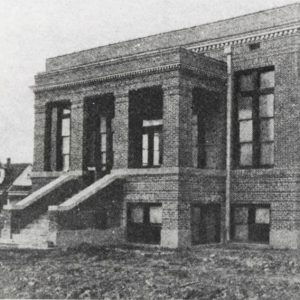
x=98 y=136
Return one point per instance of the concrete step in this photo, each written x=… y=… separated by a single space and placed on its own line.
x=34 y=235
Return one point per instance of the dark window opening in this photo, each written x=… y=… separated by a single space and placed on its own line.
x=206 y=223
x=199 y=141
x=144 y=221
x=145 y=128
x=98 y=137
x=254 y=46
x=255 y=118
x=250 y=223
x=205 y=127
x=57 y=137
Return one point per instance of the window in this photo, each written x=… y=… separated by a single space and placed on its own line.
x=145 y=120
x=151 y=143
x=144 y=222
x=199 y=142
x=255 y=115
x=103 y=142
x=254 y=46
x=65 y=138
x=251 y=223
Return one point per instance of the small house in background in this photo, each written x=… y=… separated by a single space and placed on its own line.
x=15 y=182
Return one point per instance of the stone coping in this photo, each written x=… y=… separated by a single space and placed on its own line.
x=86 y=193
x=32 y=198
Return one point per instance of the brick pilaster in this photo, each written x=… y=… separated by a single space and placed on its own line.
x=120 y=130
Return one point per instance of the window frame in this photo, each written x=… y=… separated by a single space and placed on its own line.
x=151 y=131
x=251 y=224
x=63 y=116
x=256 y=119
x=143 y=232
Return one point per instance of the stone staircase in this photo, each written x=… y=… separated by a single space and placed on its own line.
x=34 y=235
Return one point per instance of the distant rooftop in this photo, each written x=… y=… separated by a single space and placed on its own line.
x=262 y=20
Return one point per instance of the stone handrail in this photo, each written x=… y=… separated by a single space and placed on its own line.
x=87 y=192
x=40 y=193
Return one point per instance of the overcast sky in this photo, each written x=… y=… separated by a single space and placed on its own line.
x=32 y=30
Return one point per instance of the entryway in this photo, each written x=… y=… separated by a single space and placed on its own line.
x=98 y=134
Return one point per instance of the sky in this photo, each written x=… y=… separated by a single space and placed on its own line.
x=33 y=30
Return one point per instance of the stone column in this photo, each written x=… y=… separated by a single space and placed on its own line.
x=120 y=130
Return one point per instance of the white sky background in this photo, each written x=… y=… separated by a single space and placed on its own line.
x=32 y=30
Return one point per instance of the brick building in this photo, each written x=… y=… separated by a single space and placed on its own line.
x=131 y=144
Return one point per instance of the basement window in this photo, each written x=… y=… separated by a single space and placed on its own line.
x=144 y=221
x=250 y=223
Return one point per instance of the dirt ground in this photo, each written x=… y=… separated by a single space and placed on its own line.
x=108 y=273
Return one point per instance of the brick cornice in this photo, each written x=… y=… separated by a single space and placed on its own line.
x=131 y=74
x=245 y=39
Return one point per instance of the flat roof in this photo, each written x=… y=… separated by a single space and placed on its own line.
x=267 y=19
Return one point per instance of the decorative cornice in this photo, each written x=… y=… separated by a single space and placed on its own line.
x=245 y=39
x=118 y=76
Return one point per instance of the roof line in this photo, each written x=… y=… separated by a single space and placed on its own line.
x=176 y=30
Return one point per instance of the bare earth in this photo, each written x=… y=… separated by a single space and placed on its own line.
x=107 y=273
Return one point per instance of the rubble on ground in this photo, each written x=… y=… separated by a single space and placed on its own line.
x=114 y=273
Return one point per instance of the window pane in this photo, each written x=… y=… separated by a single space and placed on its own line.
x=195 y=131
x=156 y=141
x=145 y=141
x=246 y=131
x=262 y=216
x=103 y=158
x=246 y=82
x=267 y=154
x=145 y=157
x=266 y=105
x=246 y=155
x=241 y=215
x=102 y=124
x=267 y=80
x=65 y=131
x=267 y=130
x=137 y=214
x=156 y=158
x=66 y=162
x=151 y=123
x=66 y=111
x=245 y=108
x=66 y=145
x=241 y=232
x=103 y=141
x=155 y=214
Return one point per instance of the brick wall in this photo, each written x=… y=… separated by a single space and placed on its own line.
x=277 y=186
